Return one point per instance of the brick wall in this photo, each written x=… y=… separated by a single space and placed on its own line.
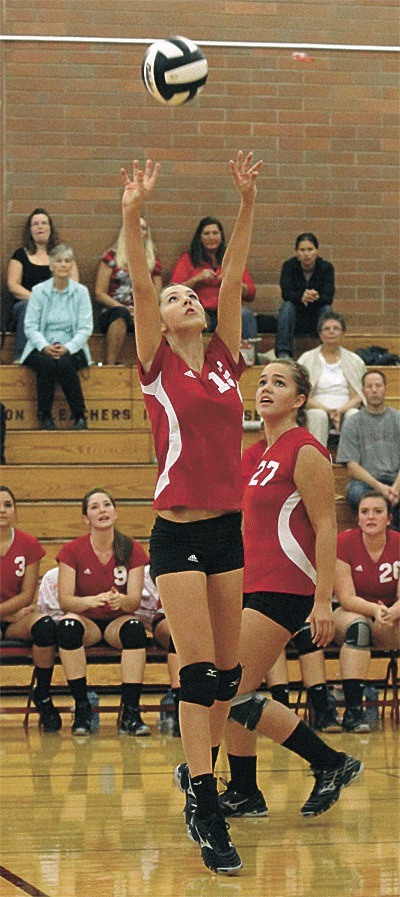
x=327 y=131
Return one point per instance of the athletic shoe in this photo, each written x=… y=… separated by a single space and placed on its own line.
x=235 y=803
x=217 y=850
x=82 y=724
x=50 y=719
x=354 y=720
x=182 y=780
x=327 y=721
x=371 y=714
x=329 y=783
x=131 y=723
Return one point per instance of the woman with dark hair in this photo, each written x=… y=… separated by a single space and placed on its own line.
x=200 y=269
x=29 y=266
x=336 y=379
x=290 y=548
x=99 y=589
x=367 y=586
x=307 y=284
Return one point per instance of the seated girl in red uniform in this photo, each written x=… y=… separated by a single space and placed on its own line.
x=367 y=585
x=99 y=588
x=20 y=556
x=196 y=549
x=290 y=549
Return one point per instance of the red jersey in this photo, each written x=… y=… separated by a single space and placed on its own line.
x=206 y=290
x=279 y=541
x=251 y=457
x=373 y=580
x=197 y=428
x=93 y=577
x=23 y=551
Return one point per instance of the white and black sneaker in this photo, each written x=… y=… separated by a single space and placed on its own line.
x=217 y=850
x=329 y=783
x=182 y=780
x=236 y=803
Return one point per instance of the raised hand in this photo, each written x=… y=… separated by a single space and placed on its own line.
x=139 y=188
x=245 y=174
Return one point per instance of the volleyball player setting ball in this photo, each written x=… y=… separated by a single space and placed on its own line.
x=196 y=550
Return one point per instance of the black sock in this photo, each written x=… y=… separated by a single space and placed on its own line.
x=304 y=742
x=318 y=696
x=78 y=689
x=353 y=690
x=243 y=773
x=43 y=682
x=214 y=755
x=205 y=790
x=280 y=693
x=130 y=694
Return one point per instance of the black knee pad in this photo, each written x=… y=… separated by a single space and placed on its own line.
x=133 y=634
x=358 y=635
x=303 y=641
x=247 y=709
x=228 y=683
x=70 y=634
x=171 y=646
x=199 y=682
x=44 y=632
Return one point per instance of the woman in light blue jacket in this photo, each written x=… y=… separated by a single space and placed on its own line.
x=58 y=324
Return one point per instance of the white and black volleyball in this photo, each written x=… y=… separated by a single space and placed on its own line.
x=174 y=70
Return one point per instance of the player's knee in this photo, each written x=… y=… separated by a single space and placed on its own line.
x=228 y=683
x=358 y=635
x=70 y=634
x=303 y=641
x=132 y=634
x=171 y=646
x=199 y=682
x=247 y=709
x=44 y=632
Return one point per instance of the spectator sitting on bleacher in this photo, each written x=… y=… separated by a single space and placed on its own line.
x=28 y=266
x=336 y=379
x=20 y=556
x=100 y=588
x=200 y=269
x=113 y=289
x=370 y=447
x=367 y=585
x=307 y=284
x=58 y=324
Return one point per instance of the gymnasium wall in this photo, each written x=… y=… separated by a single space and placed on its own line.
x=328 y=132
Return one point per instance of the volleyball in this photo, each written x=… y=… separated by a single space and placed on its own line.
x=174 y=70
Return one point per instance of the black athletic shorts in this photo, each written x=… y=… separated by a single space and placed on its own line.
x=209 y=546
x=286 y=609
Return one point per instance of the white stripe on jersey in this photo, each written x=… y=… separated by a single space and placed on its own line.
x=157 y=390
x=289 y=544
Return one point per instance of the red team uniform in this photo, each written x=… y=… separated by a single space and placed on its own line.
x=373 y=580
x=196 y=421
x=279 y=540
x=23 y=551
x=93 y=577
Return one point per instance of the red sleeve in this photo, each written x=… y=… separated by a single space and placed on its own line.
x=34 y=550
x=156 y=272
x=183 y=269
x=343 y=545
x=138 y=558
x=67 y=555
x=248 y=280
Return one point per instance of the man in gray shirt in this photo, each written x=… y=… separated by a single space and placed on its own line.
x=370 y=446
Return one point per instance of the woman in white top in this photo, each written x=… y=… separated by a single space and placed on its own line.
x=336 y=379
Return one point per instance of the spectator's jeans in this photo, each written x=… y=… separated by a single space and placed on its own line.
x=356 y=490
x=18 y=313
x=291 y=319
x=249 y=322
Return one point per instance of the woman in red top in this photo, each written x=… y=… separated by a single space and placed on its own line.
x=289 y=542
x=196 y=545
x=200 y=269
x=99 y=588
x=367 y=585
x=20 y=556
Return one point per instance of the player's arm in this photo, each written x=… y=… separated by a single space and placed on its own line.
x=317 y=492
x=66 y=592
x=138 y=190
x=229 y=328
x=346 y=593
x=25 y=596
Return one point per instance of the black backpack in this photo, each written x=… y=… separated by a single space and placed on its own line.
x=377 y=355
